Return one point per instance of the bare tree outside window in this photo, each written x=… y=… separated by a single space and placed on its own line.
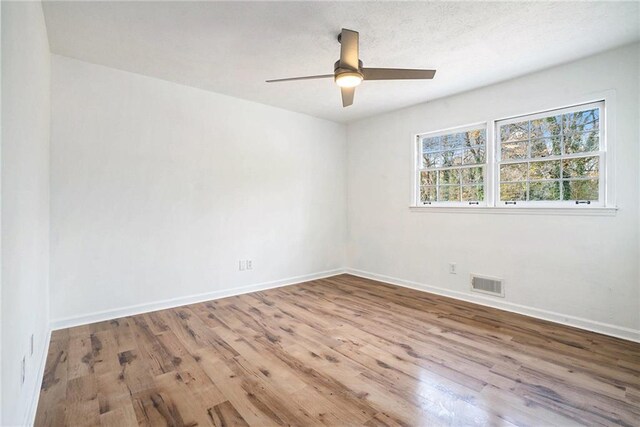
x=452 y=166
x=551 y=158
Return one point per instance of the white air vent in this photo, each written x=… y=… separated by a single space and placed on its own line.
x=487 y=285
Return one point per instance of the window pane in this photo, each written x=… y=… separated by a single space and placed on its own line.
x=580 y=190
x=457 y=159
x=546 y=190
x=581 y=121
x=580 y=168
x=513 y=172
x=428 y=178
x=430 y=160
x=472 y=193
x=546 y=127
x=513 y=191
x=472 y=175
x=476 y=137
x=473 y=156
x=545 y=147
x=514 y=150
x=455 y=140
x=544 y=170
x=582 y=142
x=514 y=132
x=449 y=176
x=449 y=193
x=427 y=194
x=432 y=144
x=450 y=158
x=442 y=158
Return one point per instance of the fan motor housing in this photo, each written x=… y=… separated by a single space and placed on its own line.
x=339 y=70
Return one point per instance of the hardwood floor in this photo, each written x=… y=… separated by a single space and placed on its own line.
x=337 y=351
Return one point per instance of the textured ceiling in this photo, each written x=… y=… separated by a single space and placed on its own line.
x=232 y=47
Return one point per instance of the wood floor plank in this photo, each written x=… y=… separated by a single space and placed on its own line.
x=112 y=392
x=158 y=360
x=339 y=351
x=183 y=401
x=124 y=416
x=256 y=403
x=225 y=415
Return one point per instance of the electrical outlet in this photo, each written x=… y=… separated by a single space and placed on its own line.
x=453 y=268
x=249 y=264
x=31 y=346
x=242 y=265
x=23 y=370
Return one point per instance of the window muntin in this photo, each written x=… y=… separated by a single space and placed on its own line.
x=452 y=166
x=553 y=157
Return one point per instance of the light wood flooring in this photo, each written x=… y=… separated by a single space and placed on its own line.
x=338 y=351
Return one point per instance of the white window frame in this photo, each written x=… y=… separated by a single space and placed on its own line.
x=605 y=206
x=418 y=165
x=601 y=153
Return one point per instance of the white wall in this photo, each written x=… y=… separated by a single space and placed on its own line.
x=158 y=190
x=570 y=266
x=25 y=203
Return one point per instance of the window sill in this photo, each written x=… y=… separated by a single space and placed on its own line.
x=583 y=211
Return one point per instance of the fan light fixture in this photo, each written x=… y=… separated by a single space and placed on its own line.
x=348 y=79
x=349 y=72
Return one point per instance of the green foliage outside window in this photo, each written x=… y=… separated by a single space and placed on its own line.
x=541 y=144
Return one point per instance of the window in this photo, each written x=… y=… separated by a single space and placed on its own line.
x=452 y=166
x=555 y=157
x=550 y=159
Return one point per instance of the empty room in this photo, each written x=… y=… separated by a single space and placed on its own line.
x=304 y=213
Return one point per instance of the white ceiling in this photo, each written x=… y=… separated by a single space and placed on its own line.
x=232 y=47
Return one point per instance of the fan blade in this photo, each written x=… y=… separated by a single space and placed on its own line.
x=321 y=76
x=396 y=74
x=347 y=95
x=349 y=49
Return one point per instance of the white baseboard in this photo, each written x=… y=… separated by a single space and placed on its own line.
x=191 y=299
x=30 y=416
x=564 y=319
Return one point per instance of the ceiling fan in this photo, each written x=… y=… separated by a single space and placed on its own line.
x=349 y=72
